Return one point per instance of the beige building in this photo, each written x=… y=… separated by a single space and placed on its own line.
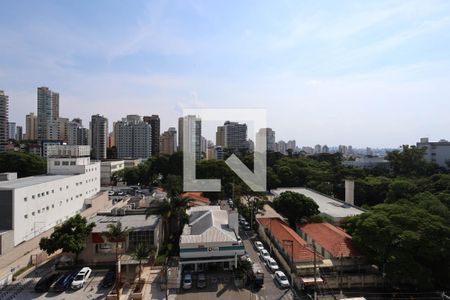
x=31 y=126
x=168 y=141
x=107 y=170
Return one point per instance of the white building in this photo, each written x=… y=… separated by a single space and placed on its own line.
x=31 y=205
x=437 y=152
x=333 y=208
x=108 y=168
x=133 y=138
x=211 y=237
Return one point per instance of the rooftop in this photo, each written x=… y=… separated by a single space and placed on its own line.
x=332 y=238
x=136 y=222
x=327 y=205
x=30 y=181
x=196 y=196
x=207 y=224
x=282 y=233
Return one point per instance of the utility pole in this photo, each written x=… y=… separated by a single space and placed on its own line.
x=315 y=275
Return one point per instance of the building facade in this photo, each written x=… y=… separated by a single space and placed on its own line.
x=108 y=168
x=235 y=136
x=133 y=138
x=32 y=205
x=190 y=134
x=269 y=137
x=436 y=152
x=210 y=237
x=11 y=130
x=99 y=136
x=155 y=122
x=45 y=112
x=4 y=105
x=168 y=141
x=31 y=126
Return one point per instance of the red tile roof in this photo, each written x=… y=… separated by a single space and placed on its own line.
x=282 y=232
x=197 y=197
x=332 y=238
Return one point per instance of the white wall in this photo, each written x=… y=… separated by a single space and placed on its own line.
x=62 y=199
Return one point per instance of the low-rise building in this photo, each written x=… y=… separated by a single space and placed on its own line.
x=31 y=205
x=210 y=238
x=367 y=163
x=330 y=207
x=197 y=198
x=437 y=152
x=145 y=230
x=333 y=243
x=108 y=168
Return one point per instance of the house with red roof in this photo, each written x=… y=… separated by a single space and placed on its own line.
x=291 y=246
x=332 y=242
x=199 y=199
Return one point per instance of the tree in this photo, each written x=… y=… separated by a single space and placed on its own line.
x=116 y=234
x=410 y=162
x=70 y=236
x=23 y=163
x=410 y=244
x=140 y=253
x=295 y=207
x=400 y=189
x=172 y=212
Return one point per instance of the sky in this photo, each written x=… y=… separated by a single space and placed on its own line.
x=361 y=73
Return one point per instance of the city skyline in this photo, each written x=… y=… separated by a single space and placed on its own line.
x=376 y=74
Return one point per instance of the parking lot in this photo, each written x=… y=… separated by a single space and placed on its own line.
x=23 y=289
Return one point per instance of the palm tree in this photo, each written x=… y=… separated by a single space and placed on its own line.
x=140 y=253
x=116 y=234
x=172 y=213
x=163 y=209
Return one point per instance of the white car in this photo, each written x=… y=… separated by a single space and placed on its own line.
x=272 y=264
x=281 y=279
x=263 y=253
x=187 y=281
x=111 y=193
x=258 y=246
x=81 y=278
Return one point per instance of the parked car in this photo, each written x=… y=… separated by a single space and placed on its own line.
x=247 y=258
x=109 y=279
x=272 y=264
x=44 y=284
x=258 y=246
x=65 y=281
x=263 y=253
x=201 y=281
x=81 y=278
x=111 y=193
x=187 y=281
x=281 y=279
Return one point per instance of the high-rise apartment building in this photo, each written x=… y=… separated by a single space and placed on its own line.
x=31 y=126
x=55 y=105
x=133 y=138
x=270 y=138
x=189 y=134
x=317 y=149
x=44 y=111
x=19 y=133
x=11 y=130
x=154 y=121
x=235 y=136
x=168 y=141
x=99 y=136
x=57 y=129
x=76 y=134
x=281 y=147
x=4 y=102
x=220 y=136
x=291 y=145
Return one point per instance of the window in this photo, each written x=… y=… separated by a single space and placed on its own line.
x=25 y=216
x=25 y=199
x=65 y=163
x=33 y=196
x=32 y=213
x=72 y=163
x=53 y=191
x=57 y=163
x=53 y=205
x=137 y=237
x=47 y=192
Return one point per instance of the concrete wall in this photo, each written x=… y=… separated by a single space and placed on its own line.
x=61 y=199
x=6 y=241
